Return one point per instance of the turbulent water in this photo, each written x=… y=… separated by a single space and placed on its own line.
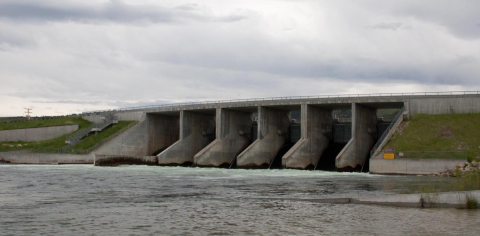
x=141 y=200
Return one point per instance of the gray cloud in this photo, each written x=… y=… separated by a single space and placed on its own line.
x=112 y=11
x=68 y=102
x=109 y=103
x=78 y=56
x=390 y=26
x=459 y=17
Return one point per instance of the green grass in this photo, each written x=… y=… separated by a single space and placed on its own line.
x=55 y=143
x=59 y=142
x=447 y=133
x=463 y=181
x=68 y=120
x=93 y=139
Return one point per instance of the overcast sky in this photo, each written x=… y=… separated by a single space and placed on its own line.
x=68 y=56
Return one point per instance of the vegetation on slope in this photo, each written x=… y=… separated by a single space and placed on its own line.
x=55 y=143
x=57 y=121
x=451 y=132
x=52 y=145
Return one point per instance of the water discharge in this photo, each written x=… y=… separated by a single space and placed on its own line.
x=151 y=200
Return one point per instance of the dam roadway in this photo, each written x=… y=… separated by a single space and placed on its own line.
x=287 y=132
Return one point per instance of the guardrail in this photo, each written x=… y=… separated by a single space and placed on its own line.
x=294 y=98
x=384 y=135
x=77 y=136
x=389 y=129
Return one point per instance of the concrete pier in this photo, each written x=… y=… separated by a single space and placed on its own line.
x=273 y=125
x=233 y=136
x=316 y=125
x=364 y=129
x=197 y=130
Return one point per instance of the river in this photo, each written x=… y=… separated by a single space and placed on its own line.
x=152 y=200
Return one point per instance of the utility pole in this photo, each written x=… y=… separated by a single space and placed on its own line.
x=29 y=111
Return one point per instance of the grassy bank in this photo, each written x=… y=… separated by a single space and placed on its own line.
x=58 y=121
x=446 y=133
x=55 y=143
x=59 y=142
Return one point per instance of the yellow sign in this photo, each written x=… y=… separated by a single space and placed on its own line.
x=388 y=155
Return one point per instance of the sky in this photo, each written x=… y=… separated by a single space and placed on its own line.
x=70 y=56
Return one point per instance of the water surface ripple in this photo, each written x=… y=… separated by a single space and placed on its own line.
x=150 y=200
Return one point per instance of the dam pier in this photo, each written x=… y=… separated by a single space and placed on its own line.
x=291 y=132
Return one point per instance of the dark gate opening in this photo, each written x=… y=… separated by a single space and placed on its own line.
x=341 y=134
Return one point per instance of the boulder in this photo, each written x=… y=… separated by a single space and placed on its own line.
x=474 y=164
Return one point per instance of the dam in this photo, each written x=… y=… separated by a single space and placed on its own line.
x=282 y=132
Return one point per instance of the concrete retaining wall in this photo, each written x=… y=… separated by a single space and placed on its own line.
x=36 y=134
x=132 y=142
x=427 y=200
x=22 y=157
x=434 y=106
x=155 y=132
x=406 y=166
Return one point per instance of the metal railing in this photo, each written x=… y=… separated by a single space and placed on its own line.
x=110 y=118
x=460 y=93
x=389 y=129
x=78 y=135
x=75 y=138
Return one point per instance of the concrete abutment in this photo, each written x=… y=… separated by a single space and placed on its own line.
x=152 y=133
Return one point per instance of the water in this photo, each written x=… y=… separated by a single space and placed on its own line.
x=143 y=200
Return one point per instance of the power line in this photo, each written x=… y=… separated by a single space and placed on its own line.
x=28 y=112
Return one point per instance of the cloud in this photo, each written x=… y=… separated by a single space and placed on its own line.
x=390 y=26
x=75 y=56
x=112 y=11
x=459 y=17
x=68 y=102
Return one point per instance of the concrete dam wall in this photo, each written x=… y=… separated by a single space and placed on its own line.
x=259 y=134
